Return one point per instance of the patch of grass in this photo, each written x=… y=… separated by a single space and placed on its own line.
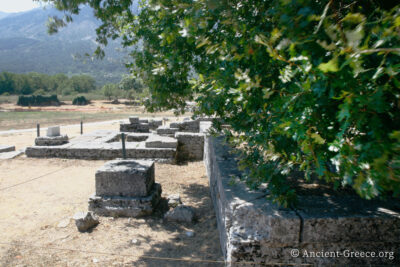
x=29 y=119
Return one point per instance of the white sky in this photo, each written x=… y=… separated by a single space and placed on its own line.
x=10 y=6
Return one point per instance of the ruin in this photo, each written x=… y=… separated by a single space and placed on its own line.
x=137 y=125
x=6 y=148
x=53 y=138
x=254 y=229
x=164 y=144
x=125 y=188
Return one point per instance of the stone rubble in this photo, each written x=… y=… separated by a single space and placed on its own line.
x=85 y=221
x=180 y=213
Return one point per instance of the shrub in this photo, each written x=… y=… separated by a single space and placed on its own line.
x=38 y=100
x=80 y=101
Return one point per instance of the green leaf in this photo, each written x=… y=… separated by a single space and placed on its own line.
x=330 y=66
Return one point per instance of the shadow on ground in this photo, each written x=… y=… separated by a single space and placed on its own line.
x=181 y=246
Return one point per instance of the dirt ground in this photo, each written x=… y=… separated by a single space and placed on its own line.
x=38 y=197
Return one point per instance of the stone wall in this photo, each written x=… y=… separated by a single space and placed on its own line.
x=186 y=126
x=190 y=146
x=253 y=229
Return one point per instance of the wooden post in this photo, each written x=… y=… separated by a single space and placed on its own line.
x=81 y=127
x=123 y=146
x=38 y=130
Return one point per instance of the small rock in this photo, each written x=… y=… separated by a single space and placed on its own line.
x=189 y=233
x=174 y=200
x=95 y=260
x=85 y=220
x=135 y=242
x=63 y=223
x=181 y=213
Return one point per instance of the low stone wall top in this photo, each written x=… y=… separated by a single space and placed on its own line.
x=6 y=148
x=253 y=229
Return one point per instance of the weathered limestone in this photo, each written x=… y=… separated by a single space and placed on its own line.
x=187 y=126
x=53 y=131
x=126 y=206
x=174 y=200
x=253 y=229
x=6 y=148
x=11 y=154
x=51 y=140
x=134 y=120
x=136 y=128
x=135 y=125
x=161 y=142
x=104 y=144
x=125 y=188
x=154 y=124
x=125 y=178
x=180 y=213
x=85 y=221
x=167 y=131
x=190 y=146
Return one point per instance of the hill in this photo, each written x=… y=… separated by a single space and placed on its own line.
x=25 y=46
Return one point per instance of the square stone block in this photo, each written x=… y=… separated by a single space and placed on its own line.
x=125 y=178
x=53 y=131
x=134 y=120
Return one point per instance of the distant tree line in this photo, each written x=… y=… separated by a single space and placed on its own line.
x=43 y=84
x=34 y=83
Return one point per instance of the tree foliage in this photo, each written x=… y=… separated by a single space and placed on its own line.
x=305 y=85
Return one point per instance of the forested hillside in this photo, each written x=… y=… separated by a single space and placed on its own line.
x=25 y=46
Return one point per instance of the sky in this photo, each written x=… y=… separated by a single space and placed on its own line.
x=11 y=6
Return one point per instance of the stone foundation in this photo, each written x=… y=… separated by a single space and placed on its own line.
x=135 y=128
x=51 y=140
x=115 y=206
x=253 y=229
x=6 y=148
x=187 y=126
x=105 y=145
x=125 y=188
x=167 y=131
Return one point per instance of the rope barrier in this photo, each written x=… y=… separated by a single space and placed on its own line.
x=33 y=179
x=153 y=257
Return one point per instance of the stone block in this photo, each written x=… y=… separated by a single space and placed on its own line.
x=51 y=140
x=166 y=131
x=6 y=148
x=134 y=120
x=180 y=213
x=116 y=206
x=154 y=124
x=190 y=146
x=143 y=121
x=84 y=221
x=125 y=178
x=187 y=126
x=53 y=131
x=11 y=154
x=135 y=128
x=157 y=141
